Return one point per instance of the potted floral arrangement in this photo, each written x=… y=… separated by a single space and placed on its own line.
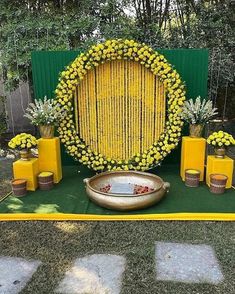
x=23 y=142
x=220 y=141
x=197 y=114
x=46 y=115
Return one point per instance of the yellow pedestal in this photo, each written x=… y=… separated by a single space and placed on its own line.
x=49 y=157
x=192 y=155
x=219 y=166
x=27 y=170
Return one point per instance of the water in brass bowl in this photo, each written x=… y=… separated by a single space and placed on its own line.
x=125 y=201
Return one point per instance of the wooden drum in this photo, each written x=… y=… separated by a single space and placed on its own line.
x=45 y=181
x=218 y=183
x=192 y=177
x=19 y=187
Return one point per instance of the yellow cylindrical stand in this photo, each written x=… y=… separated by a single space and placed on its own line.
x=193 y=155
x=27 y=170
x=219 y=166
x=49 y=157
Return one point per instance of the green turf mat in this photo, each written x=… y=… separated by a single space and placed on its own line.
x=69 y=197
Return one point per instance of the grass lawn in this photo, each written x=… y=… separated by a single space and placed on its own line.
x=57 y=244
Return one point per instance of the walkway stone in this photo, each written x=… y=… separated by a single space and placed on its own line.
x=187 y=263
x=94 y=274
x=15 y=273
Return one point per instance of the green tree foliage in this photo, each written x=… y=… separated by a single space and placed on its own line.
x=27 y=25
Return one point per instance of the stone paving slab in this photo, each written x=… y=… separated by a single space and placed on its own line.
x=15 y=273
x=187 y=263
x=94 y=274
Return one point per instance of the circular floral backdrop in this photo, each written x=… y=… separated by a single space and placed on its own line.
x=158 y=65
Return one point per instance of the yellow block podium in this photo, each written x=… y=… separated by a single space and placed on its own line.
x=27 y=170
x=193 y=155
x=49 y=157
x=219 y=166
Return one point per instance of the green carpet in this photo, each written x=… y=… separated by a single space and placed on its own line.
x=69 y=197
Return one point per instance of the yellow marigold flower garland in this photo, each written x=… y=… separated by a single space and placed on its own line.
x=112 y=50
x=23 y=141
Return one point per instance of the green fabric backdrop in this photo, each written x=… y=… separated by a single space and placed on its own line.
x=192 y=65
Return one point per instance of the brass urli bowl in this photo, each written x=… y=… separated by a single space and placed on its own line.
x=125 y=202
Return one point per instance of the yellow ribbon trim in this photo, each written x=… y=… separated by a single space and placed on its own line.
x=185 y=216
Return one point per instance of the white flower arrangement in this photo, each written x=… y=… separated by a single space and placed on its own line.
x=198 y=112
x=45 y=112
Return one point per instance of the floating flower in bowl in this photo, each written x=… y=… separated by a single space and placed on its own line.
x=126 y=190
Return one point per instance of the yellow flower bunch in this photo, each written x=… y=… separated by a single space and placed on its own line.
x=23 y=141
x=220 y=139
x=108 y=51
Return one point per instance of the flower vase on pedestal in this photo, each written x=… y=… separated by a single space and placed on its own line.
x=220 y=152
x=24 y=154
x=47 y=131
x=195 y=130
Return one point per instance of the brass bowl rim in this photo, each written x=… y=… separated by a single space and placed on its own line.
x=124 y=195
